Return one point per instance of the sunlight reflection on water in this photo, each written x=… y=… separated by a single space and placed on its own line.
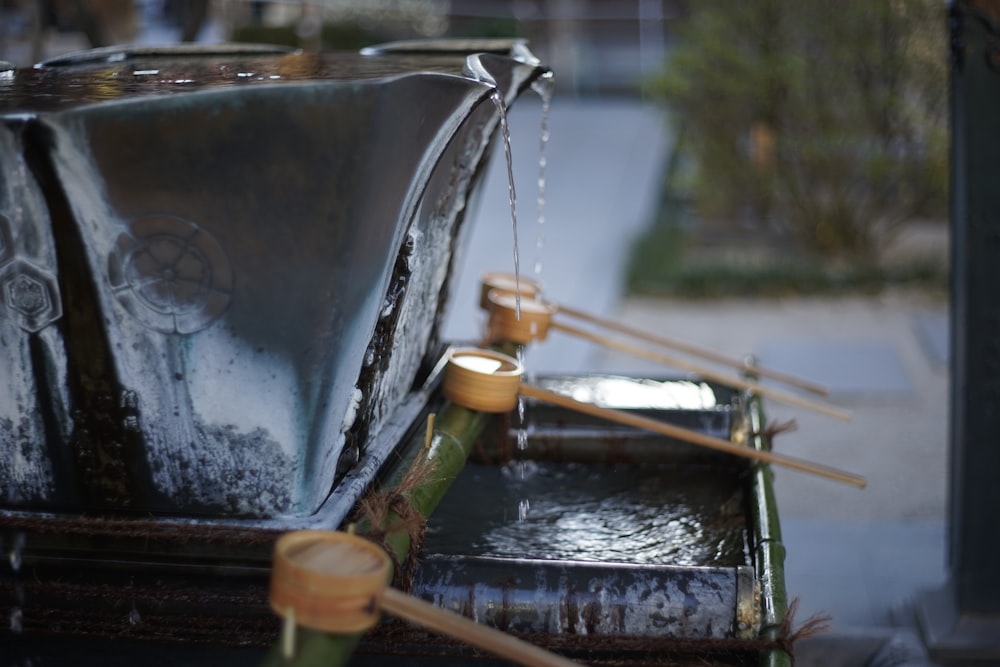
x=632 y=514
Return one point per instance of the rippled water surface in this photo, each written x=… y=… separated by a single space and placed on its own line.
x=663 y=514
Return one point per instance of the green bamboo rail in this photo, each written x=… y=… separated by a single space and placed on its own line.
x=769 y=554
x=455 y=433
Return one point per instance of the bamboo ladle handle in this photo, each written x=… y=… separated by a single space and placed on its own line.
x=694 y=350
x=707 y=373
x=688 y=435
x=529 y=289
x=336 y=582
x=472 y=633
x=491 y=382
x=534 y=319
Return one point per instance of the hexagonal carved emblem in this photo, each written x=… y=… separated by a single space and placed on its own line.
x=29 y=295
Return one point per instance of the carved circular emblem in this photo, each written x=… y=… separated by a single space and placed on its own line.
x=170 y=274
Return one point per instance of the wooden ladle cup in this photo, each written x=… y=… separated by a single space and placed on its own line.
x=508 y=283
x=337 y=582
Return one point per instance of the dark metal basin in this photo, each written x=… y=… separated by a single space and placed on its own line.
x=206 y=260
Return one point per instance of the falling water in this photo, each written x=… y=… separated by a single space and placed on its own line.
x=15 y=554
x=522 y=509
x=522 y=430
x=522 y=433
x=16 y=614
x=501 y=106
x=16 y=620
x=544 y=87
x=133 y=616
x=522 y=442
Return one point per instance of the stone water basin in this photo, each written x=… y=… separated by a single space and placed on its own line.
x=607 y=544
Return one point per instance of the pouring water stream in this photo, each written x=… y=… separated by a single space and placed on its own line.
x=544 y=87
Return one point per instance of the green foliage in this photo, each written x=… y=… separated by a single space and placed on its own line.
x=710 y=280
x=827 y=118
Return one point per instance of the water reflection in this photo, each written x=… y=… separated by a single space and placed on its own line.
x=86 y=78
x=630 y=514
x=637 y=394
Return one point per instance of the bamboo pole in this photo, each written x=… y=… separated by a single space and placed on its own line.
x=688 y=435
x=707 y=373
x=693 y=350
x=769 y=556
x=454 y=435
x=456 y=430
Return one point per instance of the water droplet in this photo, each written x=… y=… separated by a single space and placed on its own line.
x=522 y=509
x=133 y=617
x=545 y=87
x=15 y=555
x=16 y=620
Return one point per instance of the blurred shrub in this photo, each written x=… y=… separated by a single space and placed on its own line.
x=827 y=119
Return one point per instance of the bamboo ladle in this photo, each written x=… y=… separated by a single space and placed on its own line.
x=491 y=382
x=530 y=320
x=530 y=289
x=336 y=582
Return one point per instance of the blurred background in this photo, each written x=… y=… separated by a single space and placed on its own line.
x=602 y=47
x=766 y=178
x=799 y=133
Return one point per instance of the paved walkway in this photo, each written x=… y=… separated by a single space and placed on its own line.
x=858 y=555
